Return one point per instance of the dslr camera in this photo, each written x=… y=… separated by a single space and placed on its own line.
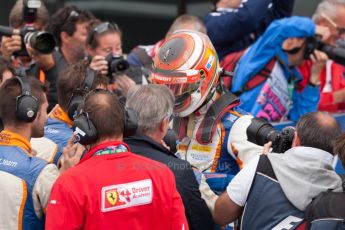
x=42 y=41
x=260 y=132
x=337 y=54
x=116 y=64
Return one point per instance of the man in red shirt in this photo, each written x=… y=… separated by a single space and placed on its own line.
x=112 y=188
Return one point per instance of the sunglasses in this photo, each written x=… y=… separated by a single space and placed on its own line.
x=102 y=28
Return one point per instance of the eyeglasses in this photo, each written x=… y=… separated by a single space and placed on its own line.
x=102 y=28
x=341 y=30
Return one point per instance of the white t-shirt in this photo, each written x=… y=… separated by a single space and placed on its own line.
x=238 y=188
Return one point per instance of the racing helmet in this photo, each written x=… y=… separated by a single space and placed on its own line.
x=188 y=64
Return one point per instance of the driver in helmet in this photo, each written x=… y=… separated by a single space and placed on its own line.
x=210 y=127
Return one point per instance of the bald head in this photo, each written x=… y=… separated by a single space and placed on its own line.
x=105 y=112
x=318 y=130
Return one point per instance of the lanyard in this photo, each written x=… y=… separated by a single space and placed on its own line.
x=111 y=150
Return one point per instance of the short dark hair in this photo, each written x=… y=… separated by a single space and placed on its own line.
x=10 y=90
x=5 y=65
x=105 y=112
x=318 y=130
x=71 y=80
x=92 y=37
x=16 y=17
x=66 y=19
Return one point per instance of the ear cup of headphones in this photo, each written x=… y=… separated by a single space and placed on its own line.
x=84 y=130
x=131 y=122
x=73 y=106
x=26 y=108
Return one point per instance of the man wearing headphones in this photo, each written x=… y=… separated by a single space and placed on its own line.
x=25 y=180
x=112 y=188
x=72 y=85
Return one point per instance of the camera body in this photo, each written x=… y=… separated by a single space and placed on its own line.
x=337 y=54
x=41 y=41
x=260 y=132
x=116 y=64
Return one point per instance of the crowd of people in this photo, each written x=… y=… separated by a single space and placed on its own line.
x=177 y=134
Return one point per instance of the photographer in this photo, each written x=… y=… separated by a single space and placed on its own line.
x=69 y=26
x=11 y=45
x=278 y=187
x=154 y=106
x=265 y=76
x=104 y=46
x=112 y=188
x=329 y=76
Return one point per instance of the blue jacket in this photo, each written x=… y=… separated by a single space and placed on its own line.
x=232 y=30
x=267 y=47
x=58 y=129
x=18 y=163
x=267 y=206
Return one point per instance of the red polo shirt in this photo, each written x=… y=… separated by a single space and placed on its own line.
x=116 y=191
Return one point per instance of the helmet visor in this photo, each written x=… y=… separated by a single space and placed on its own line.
x=180 y=83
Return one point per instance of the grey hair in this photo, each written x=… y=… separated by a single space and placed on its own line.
x=327 y=7
x=153 y=103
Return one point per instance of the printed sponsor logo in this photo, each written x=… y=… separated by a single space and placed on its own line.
x=8 y=163
x=50 y=130
x=122 y=196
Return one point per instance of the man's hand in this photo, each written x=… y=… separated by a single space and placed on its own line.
x=71 y=154
x=267 y=148
x=99 y=64
x=124 y=84
x=9 y=45
x=322 y=31
x=319 y=60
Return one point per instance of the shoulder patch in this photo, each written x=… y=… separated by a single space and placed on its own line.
x=127 y=195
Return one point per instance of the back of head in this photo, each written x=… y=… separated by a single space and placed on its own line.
x=152 y=103
x=188 y=64
x=187 y=22
x=66 y=19
x=70 y=83
x=16 y=17
x=318 y=130
x=106 y=113
x=9 y=91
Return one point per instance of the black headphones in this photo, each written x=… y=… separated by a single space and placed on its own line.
x=85 y=131
x=78 y=97
x=26 y=104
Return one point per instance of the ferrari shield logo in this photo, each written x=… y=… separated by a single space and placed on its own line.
x=112 y=197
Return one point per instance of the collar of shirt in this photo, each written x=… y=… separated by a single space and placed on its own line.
x=58 y=114
x=105 y=146
x=8 y=138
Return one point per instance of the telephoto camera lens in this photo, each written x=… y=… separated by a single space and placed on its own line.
x=41 y=41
